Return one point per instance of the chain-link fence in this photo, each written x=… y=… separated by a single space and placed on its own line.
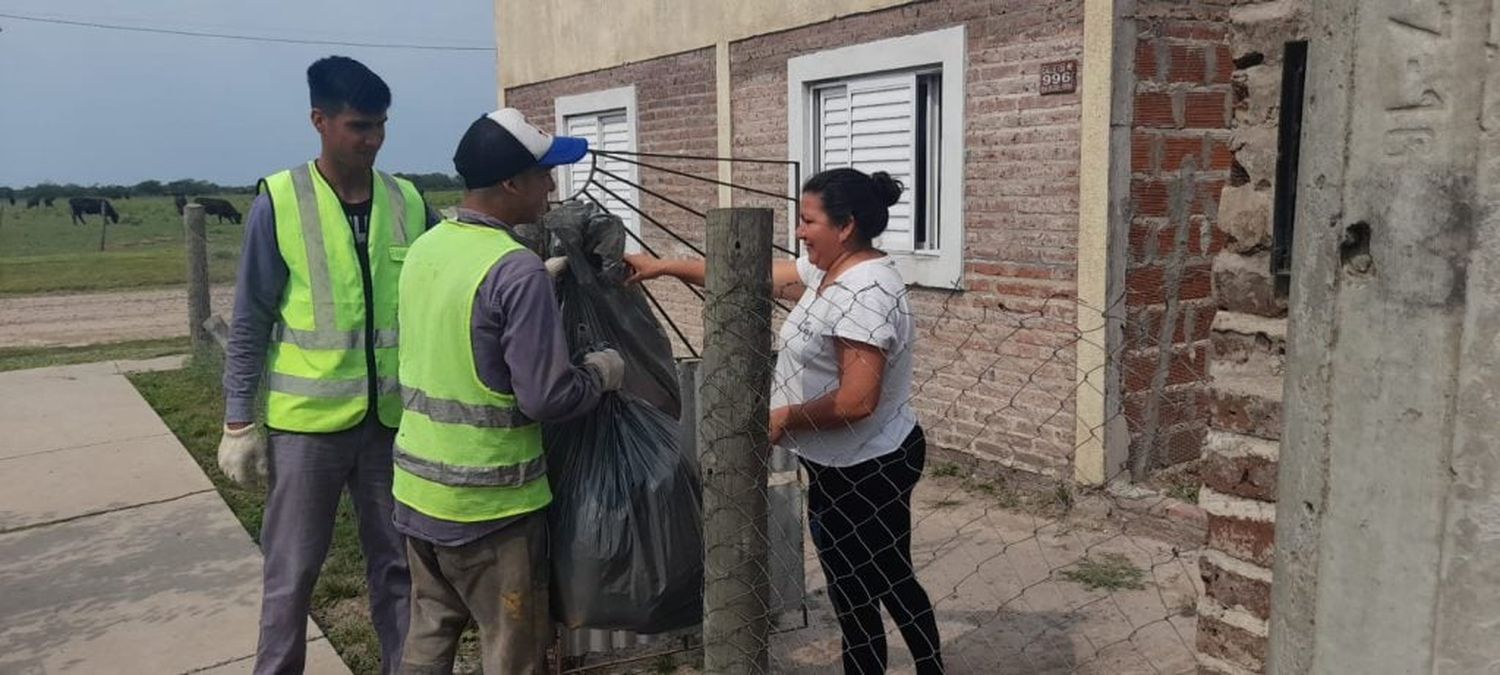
x=919 y=510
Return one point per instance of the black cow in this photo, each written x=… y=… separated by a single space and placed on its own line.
x=86 y=205
x=179 y=201
x=213 y=206
x=32 y=202
x=48 y=201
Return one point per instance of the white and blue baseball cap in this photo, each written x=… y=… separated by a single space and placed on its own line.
x=502 y=144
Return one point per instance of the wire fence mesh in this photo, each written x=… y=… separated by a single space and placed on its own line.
x=943 y=531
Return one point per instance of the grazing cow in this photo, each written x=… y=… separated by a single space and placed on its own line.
x=48 y=201
x=179 y=201
x=86 y=205
x=32 y=202
x=213 y=206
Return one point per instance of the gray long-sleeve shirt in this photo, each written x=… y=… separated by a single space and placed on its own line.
x=518 y=342
x=259 y=286
x=519 y=348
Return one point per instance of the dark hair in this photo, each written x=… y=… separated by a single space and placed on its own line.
x=338 y=82
x=850 y=193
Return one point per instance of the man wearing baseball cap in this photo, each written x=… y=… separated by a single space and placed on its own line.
x=483 y=362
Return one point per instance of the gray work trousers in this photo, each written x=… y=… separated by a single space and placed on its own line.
x=308 y=474
x=499 y=581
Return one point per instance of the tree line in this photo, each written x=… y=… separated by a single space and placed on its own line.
x=425 y=182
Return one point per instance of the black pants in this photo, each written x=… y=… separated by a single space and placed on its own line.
x=860 y=517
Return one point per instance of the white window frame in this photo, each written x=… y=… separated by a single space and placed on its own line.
x=594 y=103
x=945 y=48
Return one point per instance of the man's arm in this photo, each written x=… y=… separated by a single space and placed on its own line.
x=518 y=302
x=260 y=282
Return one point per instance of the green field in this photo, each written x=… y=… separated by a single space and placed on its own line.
x=41 y=251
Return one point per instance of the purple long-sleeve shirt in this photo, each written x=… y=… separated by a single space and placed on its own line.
x=519 y=347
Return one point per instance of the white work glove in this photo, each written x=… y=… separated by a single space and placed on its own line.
x=610 y=367
x=242 y=455
x=555 y=266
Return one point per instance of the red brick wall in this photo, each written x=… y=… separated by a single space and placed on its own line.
x=995 y=363
x=675 y=110
x=1179 y=160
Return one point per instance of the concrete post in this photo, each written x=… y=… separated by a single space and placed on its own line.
x=1389 y=489
x=197 y=275
x=733 y=420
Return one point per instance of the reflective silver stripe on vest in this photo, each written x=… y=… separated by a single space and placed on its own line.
x=317 y=255
x=336 y=339
x=453 y=475
x=324 y=388
x=449 y=411
x=397 y=200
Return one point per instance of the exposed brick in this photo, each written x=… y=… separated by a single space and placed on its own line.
x=1187 y=64
x=1145 y=60
x=1153 y=109
x=1248 y=476
x=1197 y=282
x=1143 y=286
x=1219 y=156
x=1177 y=406
x=1235 y=645
x=1175 y=150
x=1248 y=540
x=1248 y=413
x=1149 y=198
x=1206 y=110
x=1186 y=365
x=1142 y=149
x=1223 y=65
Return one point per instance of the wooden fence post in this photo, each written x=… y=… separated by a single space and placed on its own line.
x=732 y=437
x=197 y=276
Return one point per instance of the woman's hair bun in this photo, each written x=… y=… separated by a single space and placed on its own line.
x=887 y=189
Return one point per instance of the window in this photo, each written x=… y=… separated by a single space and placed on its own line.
x=607 y=121
x=893 y=106
x=887 y=123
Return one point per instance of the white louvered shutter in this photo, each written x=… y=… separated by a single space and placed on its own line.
x=870 y=124
x=610 y=132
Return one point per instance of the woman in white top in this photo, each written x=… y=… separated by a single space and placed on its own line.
x=841 y=401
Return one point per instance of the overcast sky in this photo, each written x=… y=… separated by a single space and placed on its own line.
x=86 y=105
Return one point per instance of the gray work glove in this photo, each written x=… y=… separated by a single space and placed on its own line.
x=609 y=366
x=242 y=455
x=556 y=266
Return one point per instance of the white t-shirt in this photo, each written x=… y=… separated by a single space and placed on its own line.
x=867 y=303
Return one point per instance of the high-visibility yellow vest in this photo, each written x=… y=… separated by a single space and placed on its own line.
x=317 y=379
x=465 y=452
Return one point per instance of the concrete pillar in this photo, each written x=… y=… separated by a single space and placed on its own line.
x=1388 y=514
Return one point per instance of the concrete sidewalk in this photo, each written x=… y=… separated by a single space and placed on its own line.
x=116 y=553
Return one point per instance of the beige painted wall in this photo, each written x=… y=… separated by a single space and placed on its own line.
x=540 y=41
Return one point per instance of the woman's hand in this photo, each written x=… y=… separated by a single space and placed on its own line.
x=779 y=417
x=645 y=267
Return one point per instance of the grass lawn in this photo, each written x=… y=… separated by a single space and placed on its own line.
x=41 y=251
x=21 y=358
x=191 y=403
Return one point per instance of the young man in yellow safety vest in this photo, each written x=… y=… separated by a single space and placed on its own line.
x=315 y=323
x=483 y=361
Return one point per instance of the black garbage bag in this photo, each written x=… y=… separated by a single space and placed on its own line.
x=626 y=523
x=598 y=309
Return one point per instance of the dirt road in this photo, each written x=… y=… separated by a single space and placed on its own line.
x=92 y=318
